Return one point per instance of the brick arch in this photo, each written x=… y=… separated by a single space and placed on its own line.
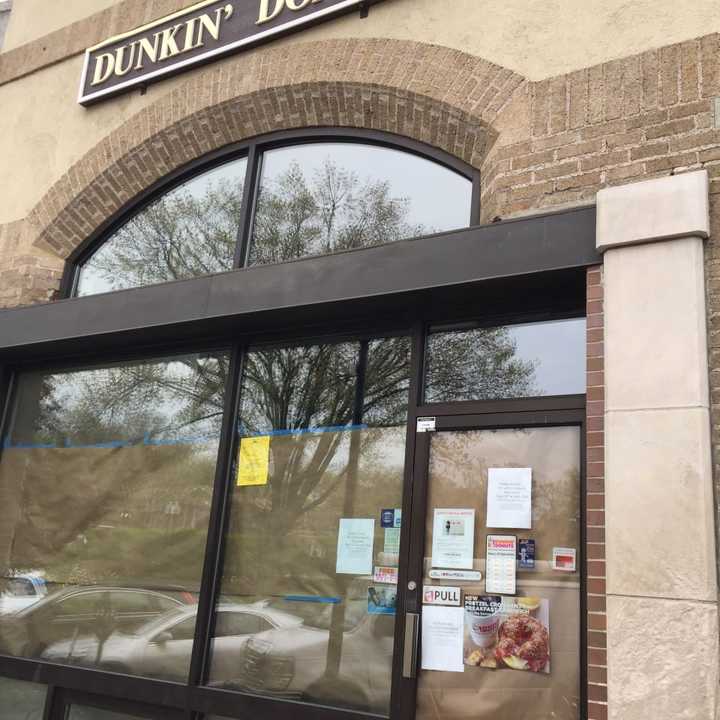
x=433 y=94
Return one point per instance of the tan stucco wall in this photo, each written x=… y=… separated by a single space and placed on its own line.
x=31 y=19
x=536 y=38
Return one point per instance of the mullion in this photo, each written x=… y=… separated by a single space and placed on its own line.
x=247 y=212
x=219 y=512
x=403 y=691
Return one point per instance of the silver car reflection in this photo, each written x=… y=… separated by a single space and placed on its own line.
x=292 y=663
x=162 y=648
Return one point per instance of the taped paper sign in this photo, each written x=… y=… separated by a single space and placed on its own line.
x=253 y=461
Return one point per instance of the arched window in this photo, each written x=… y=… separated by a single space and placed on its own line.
x=278 y=202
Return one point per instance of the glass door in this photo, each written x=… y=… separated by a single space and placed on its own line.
x=496 y=551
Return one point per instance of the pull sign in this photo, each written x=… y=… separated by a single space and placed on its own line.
x=441 y=595
x=426 y=424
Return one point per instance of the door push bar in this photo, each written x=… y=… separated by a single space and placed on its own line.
x=410 y=653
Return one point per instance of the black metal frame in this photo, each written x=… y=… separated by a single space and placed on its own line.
x=520 y=270
x=253 y=150
x=568 y=410
x=111 y=690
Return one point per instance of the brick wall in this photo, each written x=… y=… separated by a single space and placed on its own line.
x=595 y=547
x=564 y=138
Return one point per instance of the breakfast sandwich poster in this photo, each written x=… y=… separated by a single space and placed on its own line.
x=507 y=633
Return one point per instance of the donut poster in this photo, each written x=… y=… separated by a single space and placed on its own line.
x=507 y=633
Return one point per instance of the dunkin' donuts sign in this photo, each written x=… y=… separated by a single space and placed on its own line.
x=198 y=34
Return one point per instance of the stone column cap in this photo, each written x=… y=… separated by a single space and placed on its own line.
x=653 y=210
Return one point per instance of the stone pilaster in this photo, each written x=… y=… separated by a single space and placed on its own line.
x=660 y=535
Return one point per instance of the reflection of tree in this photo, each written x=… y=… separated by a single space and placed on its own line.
x=187 y=234
x=184 y=234
x=332 y=211
x=476 y=365
x=119 y=457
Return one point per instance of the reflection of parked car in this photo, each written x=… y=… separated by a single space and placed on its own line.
x=21 y=591
x=162 y=648
x=80 y=611
x=291 y=663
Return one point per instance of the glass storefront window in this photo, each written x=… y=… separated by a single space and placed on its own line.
x=328 y=197
x=322 y=443
x=106 y=481
x=189 y=231
x=511 y=361
x=312 y=198
x=21 y=700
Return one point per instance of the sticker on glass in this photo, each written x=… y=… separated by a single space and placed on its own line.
x=382 y=600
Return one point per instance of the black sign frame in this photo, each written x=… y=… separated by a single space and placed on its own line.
x=186 y=41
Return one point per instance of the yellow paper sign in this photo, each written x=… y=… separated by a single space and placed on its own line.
x=253 y=461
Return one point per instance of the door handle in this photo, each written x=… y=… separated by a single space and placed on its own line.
x=410 y=651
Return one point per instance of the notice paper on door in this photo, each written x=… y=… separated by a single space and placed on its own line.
x=442 y=638
x=509 y=494
x=453 y=538
x=355 y=546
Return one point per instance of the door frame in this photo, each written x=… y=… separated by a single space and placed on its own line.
x=562 y=411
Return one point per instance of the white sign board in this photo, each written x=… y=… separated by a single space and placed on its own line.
x=441 y=595
x=509 y=494
x=453 y=538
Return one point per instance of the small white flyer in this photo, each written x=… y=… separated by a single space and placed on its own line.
x=500 y=563
x=509 y=498
x=442 y=638
x=355 y=546
x=453 y=538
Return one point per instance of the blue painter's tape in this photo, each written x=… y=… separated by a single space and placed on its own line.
x=313 y=599
x=104 y=445
x=8 y=445
x=159 y=442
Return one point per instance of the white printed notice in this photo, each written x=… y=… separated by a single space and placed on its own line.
x=500 y=562
x=453 y=538
x=442 y=638
x=355 y=546
x=509 y=498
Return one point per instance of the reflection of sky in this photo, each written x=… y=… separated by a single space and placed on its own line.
x=558 y=351
x=439 y=198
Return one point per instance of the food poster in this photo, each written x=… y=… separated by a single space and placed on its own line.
x=507 y=633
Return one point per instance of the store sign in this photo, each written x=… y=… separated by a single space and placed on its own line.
x=203 y=32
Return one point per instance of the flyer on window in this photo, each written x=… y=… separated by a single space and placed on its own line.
x=453 y=538
x=507 y=633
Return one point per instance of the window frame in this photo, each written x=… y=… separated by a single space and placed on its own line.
x=253 y=150
x=551 y=273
